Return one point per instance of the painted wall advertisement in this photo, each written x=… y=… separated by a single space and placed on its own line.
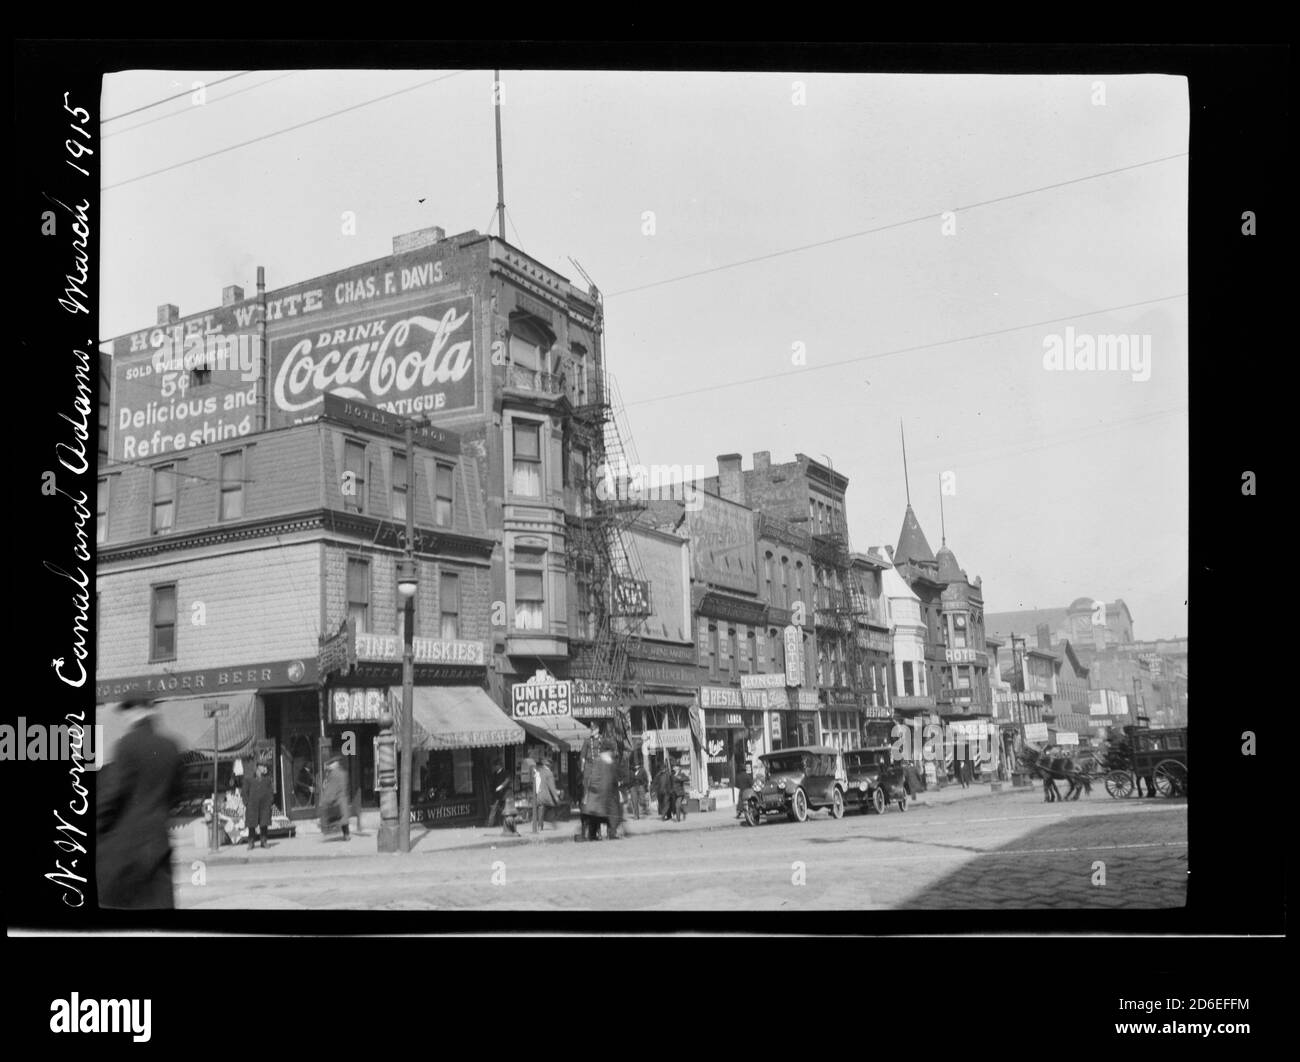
x=408 y=362
x=722 y=544
x=397 y=334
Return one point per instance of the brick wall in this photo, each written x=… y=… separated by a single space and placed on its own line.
x=256 y=604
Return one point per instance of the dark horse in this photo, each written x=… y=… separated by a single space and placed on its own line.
x=1053 y=769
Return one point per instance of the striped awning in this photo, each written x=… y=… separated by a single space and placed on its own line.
x=558 y=731
x=460 y=717
x=184 y=721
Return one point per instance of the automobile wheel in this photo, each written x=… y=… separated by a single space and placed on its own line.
x=902 y=804
x=752 y=815
x=799 y=806
x=837 y=804
x=877 y=801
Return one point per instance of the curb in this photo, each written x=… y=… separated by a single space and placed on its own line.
x=560 y=837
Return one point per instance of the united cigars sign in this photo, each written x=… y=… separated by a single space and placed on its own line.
x=541 y=696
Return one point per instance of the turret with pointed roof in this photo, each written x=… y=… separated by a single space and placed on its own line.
x=912 y=546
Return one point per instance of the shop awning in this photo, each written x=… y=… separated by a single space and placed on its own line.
x=558 y=731
x=184 y=721
x=461 y=717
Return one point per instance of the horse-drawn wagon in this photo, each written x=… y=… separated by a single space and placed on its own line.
x=1159 y=757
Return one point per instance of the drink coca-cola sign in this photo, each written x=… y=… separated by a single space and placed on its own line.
x=408 y=362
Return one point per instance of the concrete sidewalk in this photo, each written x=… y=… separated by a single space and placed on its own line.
x=310 y=845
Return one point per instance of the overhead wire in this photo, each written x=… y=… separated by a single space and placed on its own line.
x=891 y=225
x=281 y=132
x=167 y=99
x=190 y=110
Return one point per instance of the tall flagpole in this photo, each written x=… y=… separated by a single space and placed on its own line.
x=906 y=485
x=501 y=188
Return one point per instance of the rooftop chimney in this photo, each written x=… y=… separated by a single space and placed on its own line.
x=413 y=241
x=232 y=295
x=1044 y=637
x=731 y=481
x=168 y=313
x=762 y=460
x=890 y=550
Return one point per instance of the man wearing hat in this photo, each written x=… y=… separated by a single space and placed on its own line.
x=133 y=868
x=259 y=792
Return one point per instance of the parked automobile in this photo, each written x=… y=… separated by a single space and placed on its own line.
x=874 y=779
x=795 y=781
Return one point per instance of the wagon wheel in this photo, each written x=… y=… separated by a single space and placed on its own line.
x=1170 y=778
x=877 y=800
x=1119 y=784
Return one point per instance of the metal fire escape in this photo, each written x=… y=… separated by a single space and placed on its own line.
x=600 y=551
x=847 y=604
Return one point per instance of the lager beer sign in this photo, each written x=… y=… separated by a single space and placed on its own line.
x=540 y=696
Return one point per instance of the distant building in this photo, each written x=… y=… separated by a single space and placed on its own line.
x=1087 y=622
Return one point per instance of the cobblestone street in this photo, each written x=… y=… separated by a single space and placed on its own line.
x=1009 y=852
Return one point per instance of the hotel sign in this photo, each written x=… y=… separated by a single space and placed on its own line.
x=387 y=648
x=793 y=656
x=963 y=656
x=380 y=420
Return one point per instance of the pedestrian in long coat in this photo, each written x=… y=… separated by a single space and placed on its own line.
x=601 y=804
x=334 y=798
x=133 y=866
x=664 y=791
x=545 y=794
x=259 y=792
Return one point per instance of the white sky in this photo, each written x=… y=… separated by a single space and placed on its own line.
x=1067 y=484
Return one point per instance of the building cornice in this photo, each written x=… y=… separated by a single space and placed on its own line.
x=374 y=530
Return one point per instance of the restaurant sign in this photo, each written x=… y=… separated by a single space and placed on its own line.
x=678 y=738
x=720 y=697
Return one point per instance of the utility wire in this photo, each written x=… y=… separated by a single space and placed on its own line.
x=901 y=350
x=168 y=99
x=279 y=132
x=891 y=225
x=190 y=110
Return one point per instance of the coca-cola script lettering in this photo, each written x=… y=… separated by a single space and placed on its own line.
x=405 y=363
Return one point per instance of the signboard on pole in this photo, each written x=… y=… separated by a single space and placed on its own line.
x=1036 y=732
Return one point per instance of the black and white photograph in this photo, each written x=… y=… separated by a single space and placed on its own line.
x=612 y=533
x=555 y=490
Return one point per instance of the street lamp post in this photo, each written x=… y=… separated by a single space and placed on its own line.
x=407 y=584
